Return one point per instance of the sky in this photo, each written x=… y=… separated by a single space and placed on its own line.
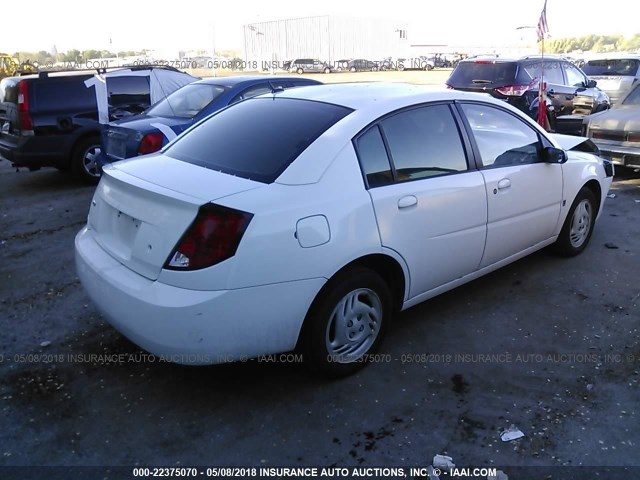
x=199 y=24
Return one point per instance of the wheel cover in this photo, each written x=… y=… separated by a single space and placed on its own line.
x=354 y=325
x=89 y=161
x=580 y=224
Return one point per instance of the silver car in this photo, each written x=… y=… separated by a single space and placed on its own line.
x=616 y=132
x=615 y=74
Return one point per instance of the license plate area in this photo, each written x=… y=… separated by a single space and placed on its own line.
x=116 y=147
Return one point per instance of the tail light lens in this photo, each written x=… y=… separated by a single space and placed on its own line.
x=213 y=237
x=513 y=90
x=152 y=142
x=24 y=117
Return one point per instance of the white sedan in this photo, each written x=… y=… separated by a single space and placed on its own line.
x=308 y=218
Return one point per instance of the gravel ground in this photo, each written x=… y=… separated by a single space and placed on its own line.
x=548 y=344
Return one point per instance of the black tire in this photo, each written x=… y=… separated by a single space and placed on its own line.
x=352 y=69
x=327 y=70
x=366 y=290
x=300 y=71
x=429 y=67
x=574 y=237
x=83 y=161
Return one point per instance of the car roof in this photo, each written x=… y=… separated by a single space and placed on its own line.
x=499 y=59
x=236 y=80
x=613 y=56
x=361 y=95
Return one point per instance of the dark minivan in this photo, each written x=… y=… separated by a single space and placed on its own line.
x=52 y=119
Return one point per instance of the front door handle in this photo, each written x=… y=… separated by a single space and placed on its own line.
x=504 y=183
x=408 y=201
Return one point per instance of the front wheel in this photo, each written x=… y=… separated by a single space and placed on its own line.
x=578 y=226
x=84 y=160
x=346 y=323
x=327 y=70
x=300 y=71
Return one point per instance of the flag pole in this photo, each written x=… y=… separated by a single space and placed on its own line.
x=542 y=30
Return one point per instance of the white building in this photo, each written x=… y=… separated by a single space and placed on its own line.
x=327 y=38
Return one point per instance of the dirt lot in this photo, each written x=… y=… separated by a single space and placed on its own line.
x=547 y=344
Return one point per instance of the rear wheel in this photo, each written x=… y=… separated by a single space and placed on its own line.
x=327 y=70
x=300 y=71
x=84 y=160
x=346 y=323
x=578 y=226
x=352 y=69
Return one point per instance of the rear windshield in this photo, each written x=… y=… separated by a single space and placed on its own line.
x=257 y=138
x=187 y=101
x=621 y=67
x=633 y=97
x=480 y=74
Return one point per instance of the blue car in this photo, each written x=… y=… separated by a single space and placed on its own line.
x=158 y=125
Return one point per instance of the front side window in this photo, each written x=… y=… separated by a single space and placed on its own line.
x=575 y=78
x=424 y=142
x=186 y=102
x=502 y=138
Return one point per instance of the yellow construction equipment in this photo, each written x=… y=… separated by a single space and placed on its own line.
x=10 y=66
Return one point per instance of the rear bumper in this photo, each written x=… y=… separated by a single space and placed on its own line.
x=193 y=326
x=31 y=151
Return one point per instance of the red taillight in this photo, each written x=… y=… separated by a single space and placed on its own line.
x=151 y=142
x=513 y=90
x=24 y=117
x=213 y=237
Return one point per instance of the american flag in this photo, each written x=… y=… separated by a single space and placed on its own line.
x=542 y=27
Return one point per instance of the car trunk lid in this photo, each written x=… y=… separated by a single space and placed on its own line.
x=141 y=208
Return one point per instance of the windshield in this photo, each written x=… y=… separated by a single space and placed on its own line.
x=187 y=101
x=623 y=67
x=633 y=98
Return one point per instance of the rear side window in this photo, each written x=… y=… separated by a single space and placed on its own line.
x=373 y=158
x=532 y=72
x=59 y=94
x=258 y=138
x=424 y=142
x=483 y=73
x=620 y=67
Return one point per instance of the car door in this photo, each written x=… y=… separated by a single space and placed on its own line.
x=585 y=98
x=430 y=205
x=524 y=194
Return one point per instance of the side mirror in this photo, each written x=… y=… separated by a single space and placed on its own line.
x=591 y=83
x=553 y=155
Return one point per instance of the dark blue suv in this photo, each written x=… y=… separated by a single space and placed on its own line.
x=150 y=131
x=52 y=119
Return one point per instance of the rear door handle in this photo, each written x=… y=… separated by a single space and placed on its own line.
x=408 y=201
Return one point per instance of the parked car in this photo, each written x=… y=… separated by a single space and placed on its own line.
x=308 y=218
x=616 y=132
x=516 y=80
x=615 y=74
x=53 y=119
x=362 y=65
x=151 y=130
x=341 y=65
x=309 y=65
